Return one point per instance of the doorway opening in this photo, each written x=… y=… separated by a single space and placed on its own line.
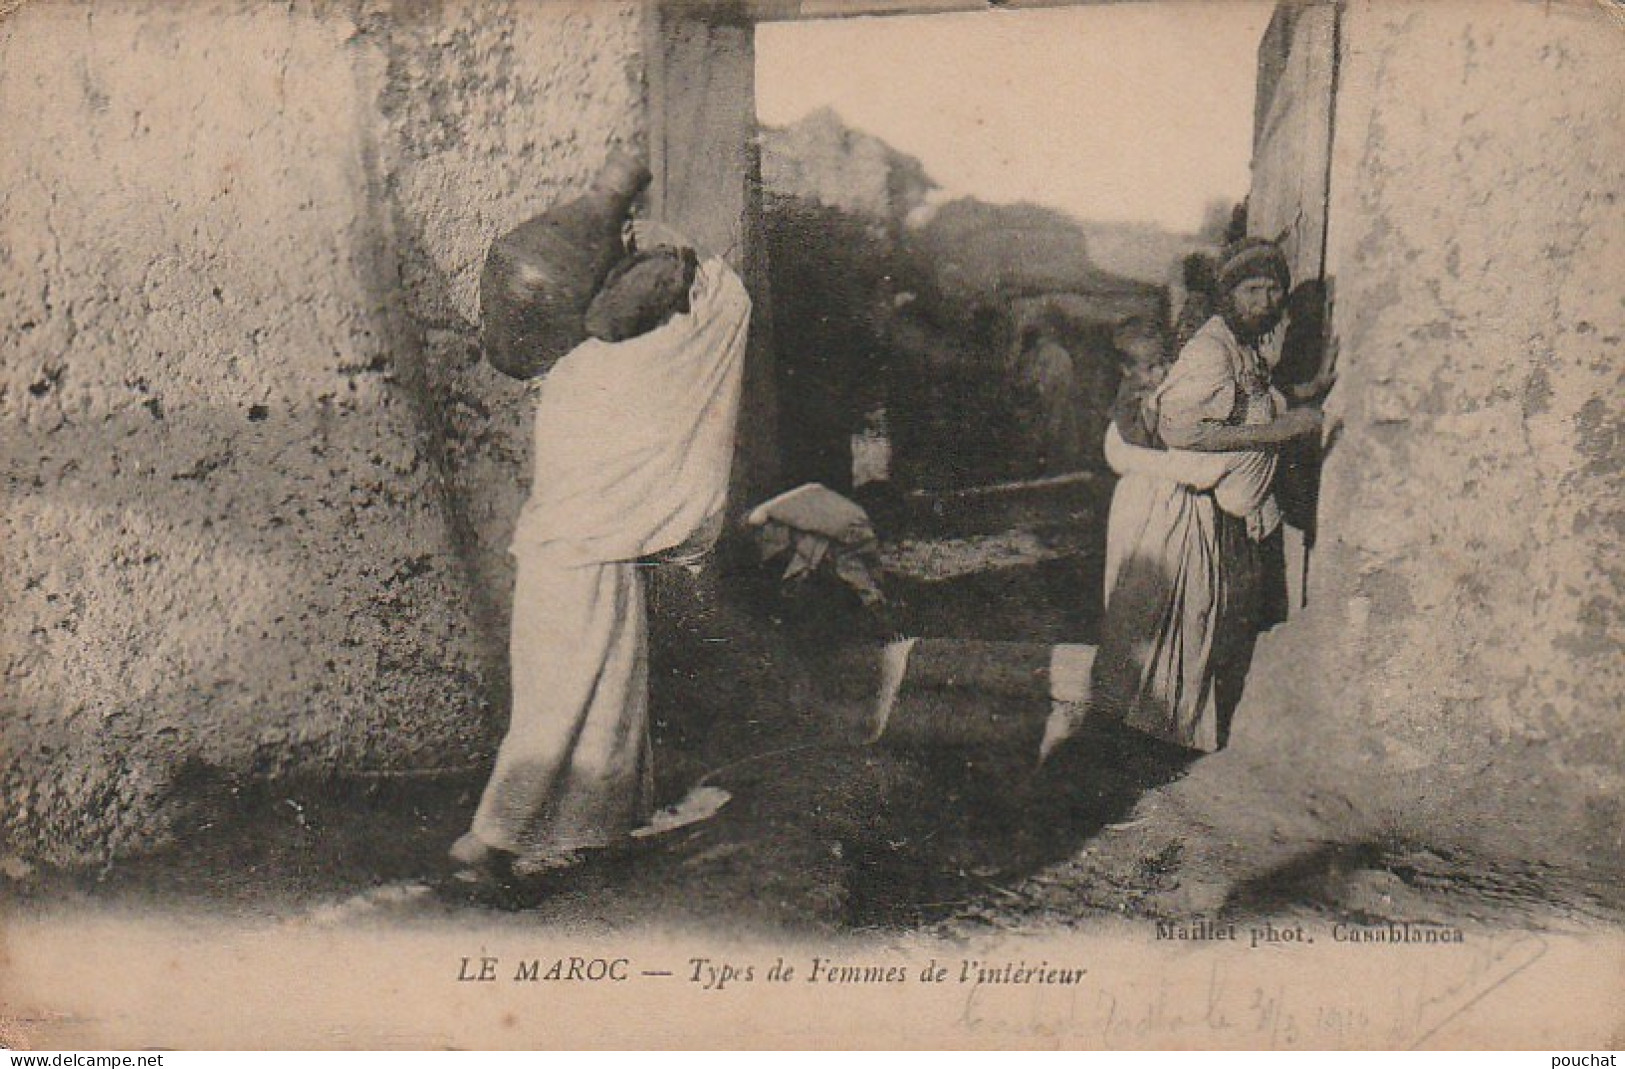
x=972 y=220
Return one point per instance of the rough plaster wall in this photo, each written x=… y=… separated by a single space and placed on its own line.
x=1467 y=609
x=236 y=299
x=490 y=112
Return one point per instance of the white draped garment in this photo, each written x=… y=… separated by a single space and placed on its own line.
x=633 y=445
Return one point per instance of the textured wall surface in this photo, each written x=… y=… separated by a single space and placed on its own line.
x=257 y=486
x=1459 y=669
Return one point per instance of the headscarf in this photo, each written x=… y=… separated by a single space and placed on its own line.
x=1253 y=258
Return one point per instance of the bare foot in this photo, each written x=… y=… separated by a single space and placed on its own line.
x=472 y=850
x=893 y=669
x=1064 y=718
x=478 y=861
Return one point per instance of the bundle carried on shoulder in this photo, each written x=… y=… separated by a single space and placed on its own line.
x=642 y=292
x=540 y=277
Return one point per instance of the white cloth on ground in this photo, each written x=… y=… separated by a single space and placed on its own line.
x=813 y=523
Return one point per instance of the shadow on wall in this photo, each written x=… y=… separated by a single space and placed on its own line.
x=460 y=139
x=1297 y=483
x=316 y=580
x=250 y=591
x=301 y=585
x=437 y=355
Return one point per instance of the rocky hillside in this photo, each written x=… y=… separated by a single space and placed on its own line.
x=978 y=250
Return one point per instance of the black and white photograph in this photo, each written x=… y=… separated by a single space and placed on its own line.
x=812 y=524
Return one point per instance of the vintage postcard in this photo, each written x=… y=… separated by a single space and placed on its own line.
x=993 y=524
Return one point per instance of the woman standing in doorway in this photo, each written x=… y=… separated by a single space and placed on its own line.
x=1187 y=531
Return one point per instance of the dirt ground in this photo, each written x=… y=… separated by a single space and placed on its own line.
x=827 y=834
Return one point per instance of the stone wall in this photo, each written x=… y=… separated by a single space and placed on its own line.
x=258 y=485
x=1457 y=677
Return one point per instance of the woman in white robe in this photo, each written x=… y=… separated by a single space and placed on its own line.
x=633 y=445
